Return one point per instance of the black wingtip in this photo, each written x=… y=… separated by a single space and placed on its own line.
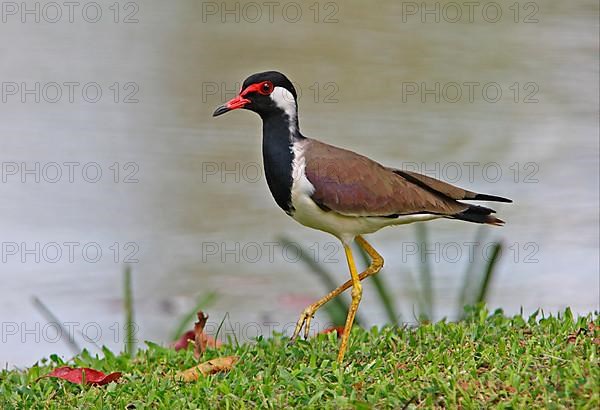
x=494 y=198
x=480 y=215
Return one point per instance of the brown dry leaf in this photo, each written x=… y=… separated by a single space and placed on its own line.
x=572 y=338
x=199 y=337
x=463 y=384
x=401 y=366
x=201 y=340
x=590 y=332
x=216 y=365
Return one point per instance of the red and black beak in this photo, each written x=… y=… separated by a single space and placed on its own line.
x=240 y=101
x=233 y=104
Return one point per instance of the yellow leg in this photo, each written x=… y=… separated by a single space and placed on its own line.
x=309 y=312
x=356 y=296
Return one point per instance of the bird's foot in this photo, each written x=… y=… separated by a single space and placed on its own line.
x=304 y=322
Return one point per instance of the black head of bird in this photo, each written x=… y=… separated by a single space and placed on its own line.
x=268 y=93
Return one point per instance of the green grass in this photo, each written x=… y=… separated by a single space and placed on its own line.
x=483 y=361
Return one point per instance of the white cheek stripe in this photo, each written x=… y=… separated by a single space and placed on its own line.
x=285 y=100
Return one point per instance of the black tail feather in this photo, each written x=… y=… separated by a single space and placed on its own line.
x=479 y=214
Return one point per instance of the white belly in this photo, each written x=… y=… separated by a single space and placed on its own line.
x=346 y=228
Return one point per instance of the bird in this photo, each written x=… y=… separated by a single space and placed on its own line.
x=341 y=192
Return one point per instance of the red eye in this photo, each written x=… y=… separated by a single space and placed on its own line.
x=265 y=88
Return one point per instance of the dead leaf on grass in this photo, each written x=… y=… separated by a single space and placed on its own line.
x=201 y=340
x=184 y=340
x=83 y=375
x=338 y=329
x=216 y=365
x=572 y=338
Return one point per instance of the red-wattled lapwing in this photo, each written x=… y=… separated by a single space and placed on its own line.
x=339 y=191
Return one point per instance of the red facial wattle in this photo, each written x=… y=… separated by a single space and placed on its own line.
x=263 y=88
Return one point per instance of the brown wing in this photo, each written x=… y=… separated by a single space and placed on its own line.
x=354 y=185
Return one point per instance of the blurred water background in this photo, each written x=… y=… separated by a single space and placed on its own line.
x=182 y=198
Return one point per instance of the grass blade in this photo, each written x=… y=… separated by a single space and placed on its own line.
x=50 y=317
x=469 y=276
x=425 y=273
x=489 y=272
x=129 y=316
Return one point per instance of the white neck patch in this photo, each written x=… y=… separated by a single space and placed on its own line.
x=285 y=100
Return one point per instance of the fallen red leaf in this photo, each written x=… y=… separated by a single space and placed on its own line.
x=83 y=375
x=184 y=340
x=338 y=329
